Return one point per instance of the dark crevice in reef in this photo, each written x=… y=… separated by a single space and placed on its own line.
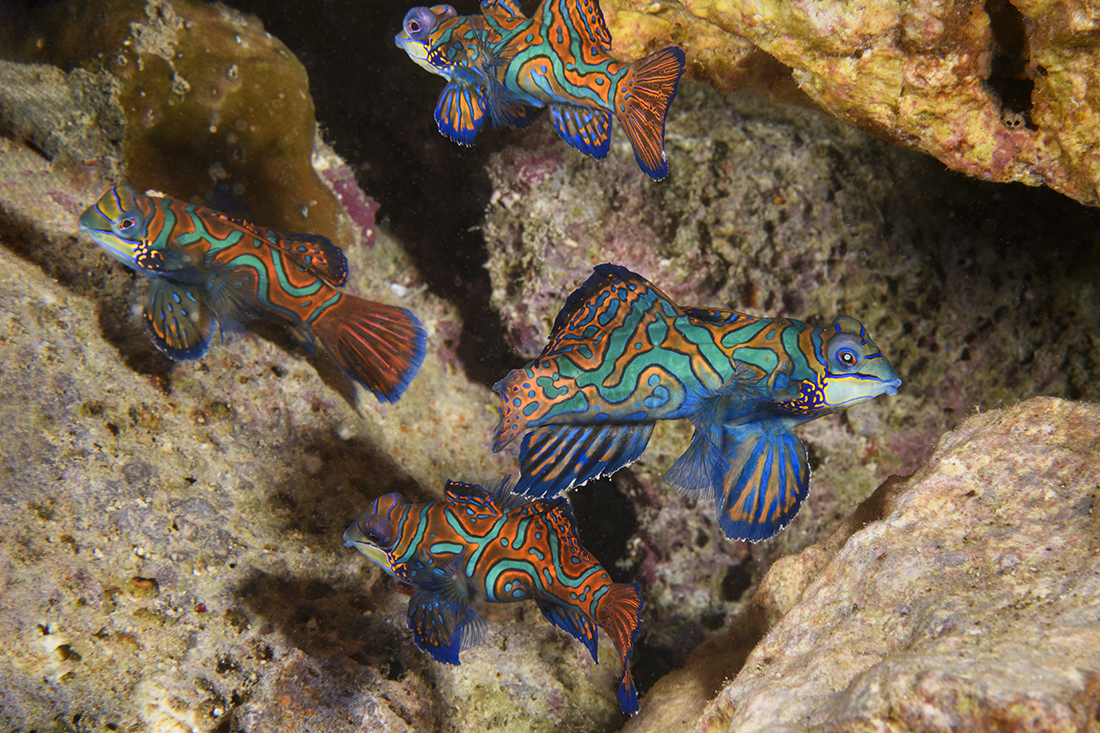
x=376 y=107
x=1008 y=76
x=606 y=520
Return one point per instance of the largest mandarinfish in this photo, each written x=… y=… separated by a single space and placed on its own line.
x=622 y=356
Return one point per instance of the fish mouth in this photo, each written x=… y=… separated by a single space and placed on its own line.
x=352 y=535
x=408 y=44
x=892 y=387
x=117 y=247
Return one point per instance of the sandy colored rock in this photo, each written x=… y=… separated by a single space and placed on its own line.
x=63 y=115
x=1002 y=91
x=966 y=597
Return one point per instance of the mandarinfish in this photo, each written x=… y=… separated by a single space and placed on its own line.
x=622 y=356
x=210 y=271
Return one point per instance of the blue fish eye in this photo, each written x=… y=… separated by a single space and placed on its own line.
x=845 y=353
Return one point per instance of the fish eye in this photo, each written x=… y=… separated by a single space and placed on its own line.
x=418 y=23
x=378 y=532
x=127 y=223
x=845 y=354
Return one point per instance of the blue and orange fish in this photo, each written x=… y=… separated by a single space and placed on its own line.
x=502 y=65
x=477 y=545
x=210 y=270
x=622 y=356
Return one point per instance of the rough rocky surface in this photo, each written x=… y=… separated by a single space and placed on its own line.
x=68 y=115
x=172 y=534
x=171 y=558
x=965 y=597
x=1002 y=91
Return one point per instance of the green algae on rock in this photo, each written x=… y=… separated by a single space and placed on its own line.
x=207 y=96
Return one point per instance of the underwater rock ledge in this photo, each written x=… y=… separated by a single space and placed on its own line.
x=965 y=597
x=172 y=541
x=1002 y=91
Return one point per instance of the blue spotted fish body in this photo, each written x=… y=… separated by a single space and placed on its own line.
x=622 y=356
x=496 y=547
x=210 y=270
x=502 y=65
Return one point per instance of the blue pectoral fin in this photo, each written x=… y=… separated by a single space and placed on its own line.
x=510 y=113
x=433 y=625
x=442 y=626
x=767 y=480
x=179 y=319
x=472 y=628
x=586 y=129
x=460 y=113
x=572 y=621
x=556 y=457
x=440 y=616
x=702 y=465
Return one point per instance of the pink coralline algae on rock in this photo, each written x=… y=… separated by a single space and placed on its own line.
x=360 y=207
x=964 y=598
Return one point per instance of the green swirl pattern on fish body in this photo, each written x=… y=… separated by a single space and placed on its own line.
x=209 y=270
x=501 y=65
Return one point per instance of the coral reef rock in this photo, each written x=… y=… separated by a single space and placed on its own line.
x=999 y=90
x=965 y=597
x=68 y=115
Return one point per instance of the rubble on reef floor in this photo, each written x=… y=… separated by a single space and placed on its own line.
x=1002 y=90
x=965 y=597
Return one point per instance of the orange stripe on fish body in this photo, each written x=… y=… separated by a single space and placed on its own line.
x=622 y=356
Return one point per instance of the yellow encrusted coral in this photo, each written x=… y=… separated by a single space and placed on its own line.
x=997 y=90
